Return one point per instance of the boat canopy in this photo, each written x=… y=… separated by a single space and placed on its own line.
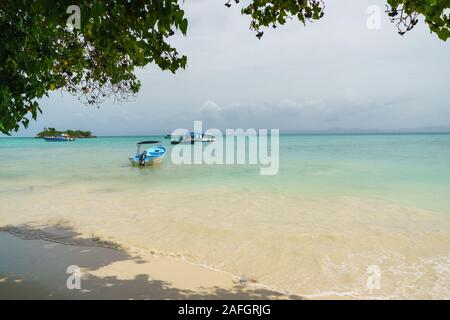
x=148 y=142
x=138 y=151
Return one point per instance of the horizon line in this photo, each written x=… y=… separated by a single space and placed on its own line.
x=305 y=132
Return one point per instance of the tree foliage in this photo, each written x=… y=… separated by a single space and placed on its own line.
x=405 y=14
x=40 y=53
x=52 y=132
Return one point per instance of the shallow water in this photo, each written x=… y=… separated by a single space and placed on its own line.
x=339 y=204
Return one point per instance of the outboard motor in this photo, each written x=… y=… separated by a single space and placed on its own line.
x=142 y=158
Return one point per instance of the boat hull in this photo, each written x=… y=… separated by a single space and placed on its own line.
x=147 y=162
x=59 y=139
x=150 y=157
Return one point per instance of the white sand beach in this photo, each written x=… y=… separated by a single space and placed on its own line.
x=36 y=269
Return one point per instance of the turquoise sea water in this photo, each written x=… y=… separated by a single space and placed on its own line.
x=409 y=169
x=339 y=204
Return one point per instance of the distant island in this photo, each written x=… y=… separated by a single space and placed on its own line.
x=52 y=132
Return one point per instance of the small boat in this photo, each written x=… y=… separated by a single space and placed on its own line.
x=208 y=138
x=61 y=138
x=149 y=157
x=176 y=140
x=189 y=138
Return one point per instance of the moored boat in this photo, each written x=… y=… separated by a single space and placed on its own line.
x=61 y=138
x=176 y=140
x=191 y=138
x=208 y=138
x=148 y=157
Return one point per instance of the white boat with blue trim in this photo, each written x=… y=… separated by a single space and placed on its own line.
x=148 y=157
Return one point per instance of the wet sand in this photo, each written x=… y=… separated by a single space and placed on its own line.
x=31 y=268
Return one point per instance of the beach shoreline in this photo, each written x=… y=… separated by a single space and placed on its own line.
x=397 y=242
x=32 y=268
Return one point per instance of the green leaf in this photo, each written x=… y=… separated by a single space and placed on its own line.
x=184 y=25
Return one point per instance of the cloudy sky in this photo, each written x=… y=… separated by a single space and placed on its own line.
x=332 y=73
